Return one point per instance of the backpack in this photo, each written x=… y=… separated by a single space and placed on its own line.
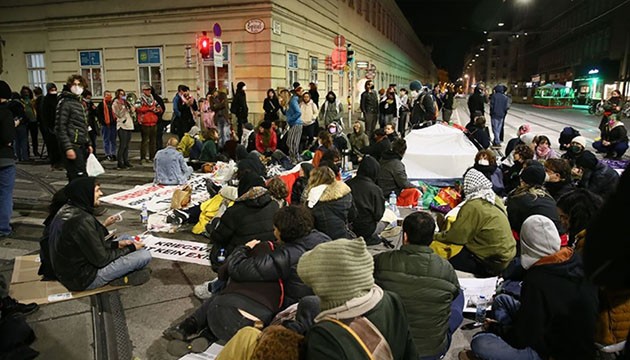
x=566 y=135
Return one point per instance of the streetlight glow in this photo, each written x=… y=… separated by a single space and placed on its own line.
x=501 y=24
x=482 y=49
x=476 y=55
x=489 y=40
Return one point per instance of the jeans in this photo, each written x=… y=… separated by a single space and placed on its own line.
x=620 y=148
x=76 y=168
x=124 y=138
x=7 y=181
x=109 y=140
x=21 y=142
x=147 y=146
x=120 y=267
x=497 y=125
x=222 y=320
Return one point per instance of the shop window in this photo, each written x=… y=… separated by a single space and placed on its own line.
x=91 y=62
x=292 y=67
x=150 y=68
x=219 y=77
x=36 y=69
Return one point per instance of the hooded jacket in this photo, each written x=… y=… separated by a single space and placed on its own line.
x=330 y=111
x=476 y=102
x=377 y=149
x=392 y=176
x=601 y=181
x=499 y=102
x=524 y=204
x=71 y=125
x=280 y=264
x=358 y=140
x=239 y=104
x=77 y=239
x=334 y=210
x=367 y=198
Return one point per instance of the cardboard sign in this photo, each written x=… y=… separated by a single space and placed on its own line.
x=178 y=250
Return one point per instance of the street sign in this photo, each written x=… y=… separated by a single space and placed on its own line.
x=216 y=29
x=218 y=52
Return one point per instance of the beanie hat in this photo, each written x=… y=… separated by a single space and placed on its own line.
x=337 y=271
x=533 y=174
x=527 y=138
x=5 y=90
x=415 y=85
x=539 y=238
x=248 y=181
x=50 y=86
x=193 y=131
x=580 y=140
x=523 y=129
x=586 y=160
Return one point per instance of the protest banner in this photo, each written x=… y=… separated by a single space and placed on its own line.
x=177 y=250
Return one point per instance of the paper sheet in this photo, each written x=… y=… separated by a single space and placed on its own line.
x=473 y=288
x=210 y=354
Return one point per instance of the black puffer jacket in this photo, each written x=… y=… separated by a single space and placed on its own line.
x=77 y=239
x=280 y=264
x=334 y=211
x=71 y=126
x=557 y=189
x=367 y=197
x=392 y=176
x=251 y=217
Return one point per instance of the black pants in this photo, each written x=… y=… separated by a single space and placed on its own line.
x=124 y=138
x=76 y=168
x=239 y=130
x=33 y=129
x=159 y=141
x=468 y=262
x=93 y=135
x=52 y=146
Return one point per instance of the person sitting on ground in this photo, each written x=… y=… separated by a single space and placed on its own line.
x=188 y=141
x=576 y=149
x=369 y=202
x=531 y=198
x=393 y=175
x=390 y=132
x=246 y=161
x=170 y=166
x=278 y=191
x=511 y=175
x=482 y=227
x=358 y=140
x=512 y=143
x=486 y=163
x=339 y=139
x=293 y=228
x=379 y=145
x=543 y=150
x=239 y=304
x=595 y=175
x=614 y=138
x=555 y=315
x=266 y=139
x=352 y=300
x=300 y=183
x=209 y=151
x=324 y=141
x=249 y=218
x=330 y=201
x=81 y=257
x=576 y=209
x=566 y=136
x=478 y=133
x=427 y=285
x=558 y=179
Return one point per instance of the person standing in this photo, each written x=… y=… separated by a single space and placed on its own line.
x=309 y=117
x=314 y=93
x=26 y=98
x=219 y=104
x=369 y=107
x=93 y=125
x=148 y=119
x=239 y=107
x=331 y=110
x=183 y=106
x=37 y=102
x=449 y=101
x=498 y=110
x=161 y=124
x=271 y=106
x=48 y=112
x=477 y=103
x=21 y=127
x=387 y=108
x=71 y=128
x=403 y=112
x=108 y=125
x=124 y=127
x=7 y=162
x=294 y=119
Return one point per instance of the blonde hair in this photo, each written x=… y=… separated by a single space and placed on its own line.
x=322 y=175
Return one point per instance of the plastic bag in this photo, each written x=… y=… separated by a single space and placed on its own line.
x=181 y=197
x=93 y=167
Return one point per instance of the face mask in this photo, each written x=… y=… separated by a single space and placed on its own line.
x=547 y=177
x=483 y=162
x=77 y=89
x=575 y=149
x=332 y=130
x=611 y=122
x=330 y=100
x=54 y=92
x=25 y=96
x=124 y=97
x=244 y=88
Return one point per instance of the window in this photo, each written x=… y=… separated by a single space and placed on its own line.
x=368 y=10
x=219 y=77
x=92 y=70
x=150 y=68
x=36 y=69
x=359 y=7
x=292 y=67
x=313 y=62
x=329 y=81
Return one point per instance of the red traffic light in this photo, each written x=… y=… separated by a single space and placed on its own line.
x=204 y=46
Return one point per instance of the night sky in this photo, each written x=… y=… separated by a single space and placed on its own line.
x=452 y=26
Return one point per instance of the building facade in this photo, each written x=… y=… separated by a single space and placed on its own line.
x=266 y=44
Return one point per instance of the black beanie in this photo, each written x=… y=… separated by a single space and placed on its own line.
x=248 y=181
x=586 y=161
x=534 y=174
x=5 y=90
x=80 y=193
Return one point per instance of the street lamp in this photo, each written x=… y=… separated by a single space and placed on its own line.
x=466 y=76
x=489 y=40
x=501 y=24
x=482 y=49
x=476 y=55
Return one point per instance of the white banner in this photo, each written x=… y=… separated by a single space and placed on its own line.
x=158 y=197
x=178 y=250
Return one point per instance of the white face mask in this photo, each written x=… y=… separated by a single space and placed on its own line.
x=483 y=162
x=547 y=177
x=77 y=89
x=244 y=88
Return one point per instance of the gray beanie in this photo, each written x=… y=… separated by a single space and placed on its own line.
x=539 y=238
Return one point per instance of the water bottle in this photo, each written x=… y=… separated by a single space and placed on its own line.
x=419 y=206
x=144 y=214
x=221 y=257
x=392 y=200
x=480 y=314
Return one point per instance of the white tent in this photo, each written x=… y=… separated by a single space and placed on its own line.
x=438 y=152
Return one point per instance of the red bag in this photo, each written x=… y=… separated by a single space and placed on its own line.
x=448 y=196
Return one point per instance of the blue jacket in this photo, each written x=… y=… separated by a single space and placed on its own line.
x=294 y=114
x=170 y=167
x=499 y=102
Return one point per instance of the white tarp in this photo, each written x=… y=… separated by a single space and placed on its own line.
x=438 y=152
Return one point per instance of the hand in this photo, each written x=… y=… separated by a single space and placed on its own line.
x=124 y=243
x=90 y=149
x=252 y=243
x=605 y=143
x=138 y=244
x=488 y=323
x=70 y=154
x=110 y=220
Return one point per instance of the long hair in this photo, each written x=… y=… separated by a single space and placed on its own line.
x=322 y=175
x=325 y=138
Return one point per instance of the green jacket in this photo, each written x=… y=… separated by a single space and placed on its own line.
x=426 y=284
x=327 y=340
x=209 y=151
x=485 y=230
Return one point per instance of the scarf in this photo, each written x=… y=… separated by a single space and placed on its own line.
x=147 y=99
x=106 y=115
x=354 y=307
x=477 y=186
x=542 y=151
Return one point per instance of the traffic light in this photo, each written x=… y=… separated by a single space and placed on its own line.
x=205 y=46
x=350 y=54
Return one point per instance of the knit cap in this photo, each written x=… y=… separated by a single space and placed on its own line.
x=50 y=86
x=5 y=90
x=539 y=238
x=194 y=131
x=534 y=174
x=586 y=160
x=580 y=140
x=337 y=271
x=527 y=138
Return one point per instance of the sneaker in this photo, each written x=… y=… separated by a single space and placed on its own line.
x=9 y=306
x=179 y=348
x=202 y=291
x=185 y=330
x=134 y=278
